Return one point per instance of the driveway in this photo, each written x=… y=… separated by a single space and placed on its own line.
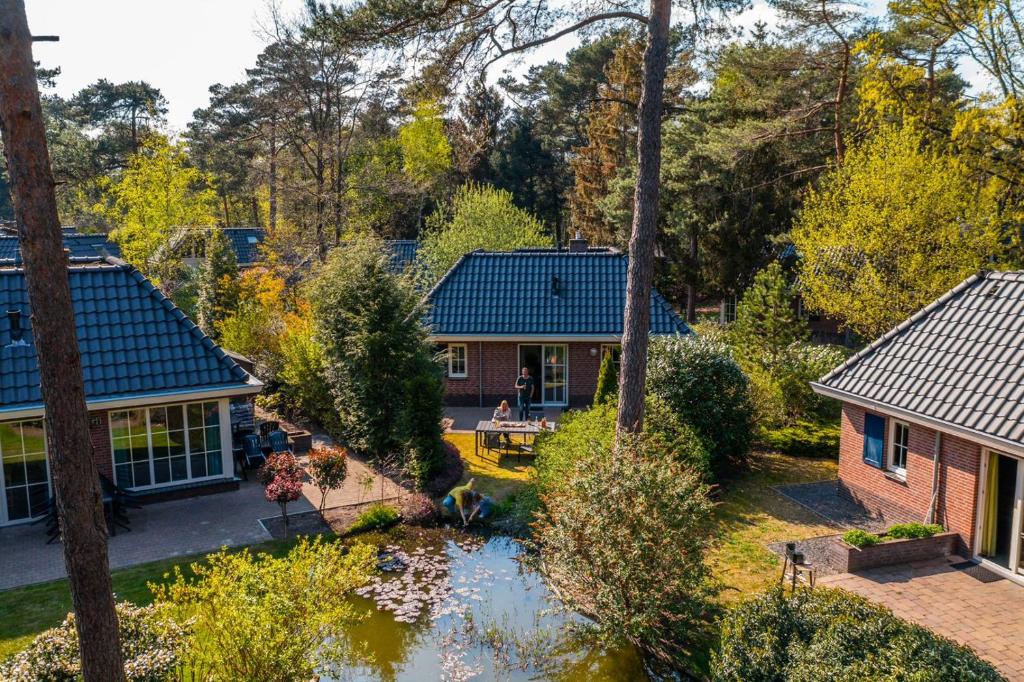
x=953 y=598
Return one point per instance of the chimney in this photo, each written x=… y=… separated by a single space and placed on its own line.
x=578 y=244
x=14 y=317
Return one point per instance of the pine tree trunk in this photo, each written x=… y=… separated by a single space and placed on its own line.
x=637 y=322
x=691 y=287
x=75 y=479
x=272 y=181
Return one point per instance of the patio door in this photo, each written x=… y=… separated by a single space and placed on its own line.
x=1002 y=486
x=25 y=475
x=548 y=365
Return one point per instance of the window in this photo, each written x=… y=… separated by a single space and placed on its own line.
x=166 y=444
x=899 y=445
x=457 y=366
x=728 y=313
x=616 y=351
x=25 y=475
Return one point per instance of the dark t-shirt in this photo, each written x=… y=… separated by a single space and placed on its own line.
x=524 y=386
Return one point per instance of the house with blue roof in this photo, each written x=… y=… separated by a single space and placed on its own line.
x=555 y=312
x=157 y=388
x=77 y=244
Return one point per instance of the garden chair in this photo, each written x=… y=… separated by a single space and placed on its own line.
x=116 y=501
x=252 y=453
x=279 y=441
x=48 y=514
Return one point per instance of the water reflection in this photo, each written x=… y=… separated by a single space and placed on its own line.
x=472 y=611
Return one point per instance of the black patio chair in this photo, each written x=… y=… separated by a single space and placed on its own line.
x=47 y=513
x=120 y=500
x=252 y=452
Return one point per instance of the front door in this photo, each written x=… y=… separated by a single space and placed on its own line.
x=1000 y=537
x=548 y=366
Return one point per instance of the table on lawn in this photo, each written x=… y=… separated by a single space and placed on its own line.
x=526 y=429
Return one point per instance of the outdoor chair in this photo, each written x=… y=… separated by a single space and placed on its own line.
x=48 y=514
x=496 y=442
x=252 y=453
x=279 y=441
x=119 y=501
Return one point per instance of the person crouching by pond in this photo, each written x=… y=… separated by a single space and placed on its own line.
x=524 y=393
x=464 y=498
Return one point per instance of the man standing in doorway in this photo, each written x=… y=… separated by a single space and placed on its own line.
x=524 y=393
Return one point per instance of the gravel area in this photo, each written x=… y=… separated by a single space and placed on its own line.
x=815 y=551
x=823 y=498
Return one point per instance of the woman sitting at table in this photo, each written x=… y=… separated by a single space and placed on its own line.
x=503 y=412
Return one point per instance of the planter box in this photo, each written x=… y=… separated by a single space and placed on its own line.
x=301 y=441
x=848 y=558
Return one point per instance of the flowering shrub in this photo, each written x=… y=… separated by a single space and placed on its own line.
x=418 y=509
x=282 y=478
x=328 y=468
x=151 y=644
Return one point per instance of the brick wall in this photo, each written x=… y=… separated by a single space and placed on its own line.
x=99 y=434
x=495 y=364
x=900 y=501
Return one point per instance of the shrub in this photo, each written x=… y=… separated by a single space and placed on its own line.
x=825 y=634
x=449 y=473
x=708 y=391
x=622 y=533
x=803 y=439
x=906 y=531
x=281 y=477
x=421 y=422
x=607 y=380
x=860 y=538
x=328 y=469
x=152 y=645
x=257 y=616
x=303 y=391
x=419 y=510
x=376 y=517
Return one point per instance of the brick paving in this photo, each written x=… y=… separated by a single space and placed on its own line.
x=987 y=616
x=178 y=528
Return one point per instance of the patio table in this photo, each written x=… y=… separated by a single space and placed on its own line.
x=526 y=429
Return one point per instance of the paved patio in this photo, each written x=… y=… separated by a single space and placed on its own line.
x=974 y=607
x=466 y=418
x=178 y=528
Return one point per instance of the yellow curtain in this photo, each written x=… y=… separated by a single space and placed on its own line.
x=988 y=528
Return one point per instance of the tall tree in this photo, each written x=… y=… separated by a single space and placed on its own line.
x=123 y=113
x=218 y=283
x=79 y=506
x=454 y=36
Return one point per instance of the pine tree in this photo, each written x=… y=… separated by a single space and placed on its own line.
x=607 y=380
x=218 y=283
x=766 y=320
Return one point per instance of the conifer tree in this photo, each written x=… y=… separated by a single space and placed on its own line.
x=766 y=319
x=218 y=283
x=607 y=380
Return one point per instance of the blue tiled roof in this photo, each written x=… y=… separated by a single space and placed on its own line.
x=513 y=294
x=80 y=245
x=134 y=341
x=245 y=242
x=403 y=253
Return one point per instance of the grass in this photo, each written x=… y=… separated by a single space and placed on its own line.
x=751 y=515
x=32 y=609
x=494 y=478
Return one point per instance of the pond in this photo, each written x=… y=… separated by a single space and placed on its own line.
x=464 y=607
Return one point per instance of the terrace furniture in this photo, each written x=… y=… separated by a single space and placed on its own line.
x=265 y=429
x=48 y=515
x=278 y=441
x=116 y=500
x=488 y=431
x=252 y=453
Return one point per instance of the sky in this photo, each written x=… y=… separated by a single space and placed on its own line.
x=184 y=46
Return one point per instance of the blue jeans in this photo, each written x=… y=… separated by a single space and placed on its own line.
x=524 y=407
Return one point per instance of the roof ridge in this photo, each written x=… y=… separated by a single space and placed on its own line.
x=885 y=338
x=183 y=319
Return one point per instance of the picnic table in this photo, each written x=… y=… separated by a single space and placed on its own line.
x=488 y=428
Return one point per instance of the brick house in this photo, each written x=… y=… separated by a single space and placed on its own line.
x=157 y=388
x=553 y=311
x=933 y=419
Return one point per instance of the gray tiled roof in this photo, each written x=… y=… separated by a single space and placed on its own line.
x=134 y=341
x=539 y=292
x=959 y=361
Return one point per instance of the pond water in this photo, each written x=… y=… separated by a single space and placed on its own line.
x=465 y=608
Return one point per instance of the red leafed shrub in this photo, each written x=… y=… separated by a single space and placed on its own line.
x=328 y=469
x=419 y=510
x=282 y=479
x=450 y=472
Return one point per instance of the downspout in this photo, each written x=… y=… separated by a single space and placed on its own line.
x=933 y=510
x=480 y=371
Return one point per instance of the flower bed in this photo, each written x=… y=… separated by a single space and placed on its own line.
x=857 y=550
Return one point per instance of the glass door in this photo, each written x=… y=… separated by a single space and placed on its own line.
x=999 y=540
x=25 y=474
x=555 y=384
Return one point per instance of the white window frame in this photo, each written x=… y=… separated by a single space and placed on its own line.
x=4 y=520
x=612 y=348
x=465 y=361
x=729 y=309
x=890 y=450
x=227 y=461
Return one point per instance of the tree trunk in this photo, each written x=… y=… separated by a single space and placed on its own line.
x=75 y=479
x=844 y=76
x=272 y=180
x=227 y=213
x=691 y=286
x=637 y=322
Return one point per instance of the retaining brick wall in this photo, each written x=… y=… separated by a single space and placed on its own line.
x=900 y=501
x=847 y=558
x=495 y=365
